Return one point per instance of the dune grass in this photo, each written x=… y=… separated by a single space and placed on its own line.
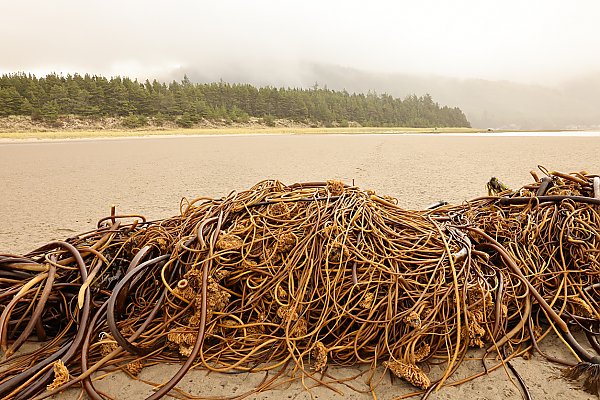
x=90 y=134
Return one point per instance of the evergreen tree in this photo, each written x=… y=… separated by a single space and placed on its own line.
x=11 y=102
x=50 y=111
x=89 y=96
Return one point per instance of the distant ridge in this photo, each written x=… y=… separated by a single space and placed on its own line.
x=571 y=104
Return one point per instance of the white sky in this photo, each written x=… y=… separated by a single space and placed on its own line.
x=527 y=41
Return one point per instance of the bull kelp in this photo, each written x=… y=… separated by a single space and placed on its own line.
x=294 y=278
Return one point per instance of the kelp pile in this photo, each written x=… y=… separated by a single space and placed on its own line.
x=292 y=279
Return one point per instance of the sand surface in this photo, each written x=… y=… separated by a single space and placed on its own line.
x=52 y=190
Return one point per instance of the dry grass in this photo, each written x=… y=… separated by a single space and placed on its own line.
x=84 y=134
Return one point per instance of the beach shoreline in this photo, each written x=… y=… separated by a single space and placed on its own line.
x=73 y=136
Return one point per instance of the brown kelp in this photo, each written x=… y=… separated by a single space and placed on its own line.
x=294 y=278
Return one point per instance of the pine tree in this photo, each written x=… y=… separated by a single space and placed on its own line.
x=96 y=96
x=11 y=102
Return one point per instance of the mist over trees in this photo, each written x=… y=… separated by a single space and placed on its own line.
x=186 y=103
x=567 y=104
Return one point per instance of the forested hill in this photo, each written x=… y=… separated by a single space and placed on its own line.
x=46 y=99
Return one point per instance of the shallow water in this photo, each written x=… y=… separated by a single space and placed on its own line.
x=51 y=190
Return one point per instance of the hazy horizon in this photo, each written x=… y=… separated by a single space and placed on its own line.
x=528 y=65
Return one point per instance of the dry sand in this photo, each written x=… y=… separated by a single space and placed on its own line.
x=54 y=189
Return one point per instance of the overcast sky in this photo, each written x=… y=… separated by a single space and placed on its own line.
x=525 y=41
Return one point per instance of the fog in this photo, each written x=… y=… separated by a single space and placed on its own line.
x=569 y=104
x=528 y=65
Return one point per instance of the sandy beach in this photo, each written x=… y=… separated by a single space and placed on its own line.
x=51 y=190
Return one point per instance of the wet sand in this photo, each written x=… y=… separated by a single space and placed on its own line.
x=52 y=190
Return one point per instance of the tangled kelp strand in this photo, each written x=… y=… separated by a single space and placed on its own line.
x=309 y=275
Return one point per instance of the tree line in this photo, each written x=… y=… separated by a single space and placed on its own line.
x=47 y=98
